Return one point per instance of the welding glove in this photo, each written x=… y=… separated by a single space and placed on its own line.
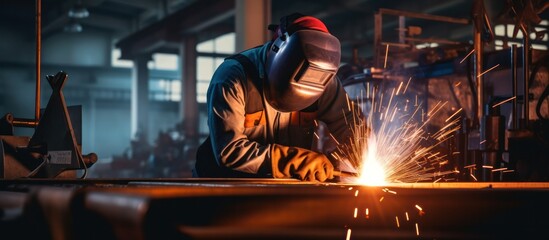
x=300 y=163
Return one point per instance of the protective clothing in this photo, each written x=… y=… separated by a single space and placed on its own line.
x=250 y=138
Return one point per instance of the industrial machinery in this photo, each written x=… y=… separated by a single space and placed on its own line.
x=52 y=149
x=500 y=95
x=55 y=146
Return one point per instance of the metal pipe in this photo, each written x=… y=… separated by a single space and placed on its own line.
x=479 y=78
x=514 y=67
x=526 y=72
x=24 y=122
x=38 y=57
x=423 y=16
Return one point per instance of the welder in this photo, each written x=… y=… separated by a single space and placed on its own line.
x=265 y=103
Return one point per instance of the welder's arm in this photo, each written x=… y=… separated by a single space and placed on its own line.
x=226 y=105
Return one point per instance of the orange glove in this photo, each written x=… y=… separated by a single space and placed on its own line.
x=300 y=163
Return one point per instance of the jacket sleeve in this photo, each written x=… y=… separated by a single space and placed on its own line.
x=226 y=116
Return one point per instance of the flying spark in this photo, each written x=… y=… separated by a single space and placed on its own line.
x=348 y=234
x=386 y=55
x=392 y=145
x=469 y=54
x=490 y=69
x=502 y=102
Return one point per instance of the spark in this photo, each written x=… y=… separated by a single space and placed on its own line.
x=367 y=213
x=316 y=135
x=474 y=178
x=386 y=55
x=348 y=103
x=502 y=102
x=348 y=234
x=482 y=142
x=490 y=69
x=469 y=54
x=457 y=84
x=417 y=230
x=407 y=218
x=399 y=87
x=356 y=213
x=381 y=199
x=419 y=208
x=409 y=79
x=356 y=193
x=333 y=138
x=398 y=224
x=368 y=90
x=453 y=115
x=388 y=145
x=470 y=166
x=391 y=191
x=499 y=170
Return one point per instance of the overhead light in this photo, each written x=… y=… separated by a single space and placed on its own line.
x=78 y=11
x=73 y=27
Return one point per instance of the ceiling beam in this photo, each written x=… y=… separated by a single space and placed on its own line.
x=190 y=20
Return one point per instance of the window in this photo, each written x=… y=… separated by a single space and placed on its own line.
x=504 y=36
x=164 y=61
x=165 y=90
x=210 y=55
x=117 y=62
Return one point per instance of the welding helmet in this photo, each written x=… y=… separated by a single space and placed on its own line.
x=301 y=61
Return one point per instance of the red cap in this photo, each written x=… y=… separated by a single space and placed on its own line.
x=307 y=22
x=300 y=23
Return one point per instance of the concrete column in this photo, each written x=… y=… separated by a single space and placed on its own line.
x=189 y=105
x=140 y=96
x=251 y=20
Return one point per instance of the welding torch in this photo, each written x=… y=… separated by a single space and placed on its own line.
x=345 y=174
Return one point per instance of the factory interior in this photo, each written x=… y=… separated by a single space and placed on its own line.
x=103 y=107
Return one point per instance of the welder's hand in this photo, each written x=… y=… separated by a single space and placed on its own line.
x=315 y=167
x=300 y=163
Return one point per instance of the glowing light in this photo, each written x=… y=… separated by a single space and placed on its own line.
x=348 y=234
x=372 y=173
x=356 y=213
x=391 y=144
